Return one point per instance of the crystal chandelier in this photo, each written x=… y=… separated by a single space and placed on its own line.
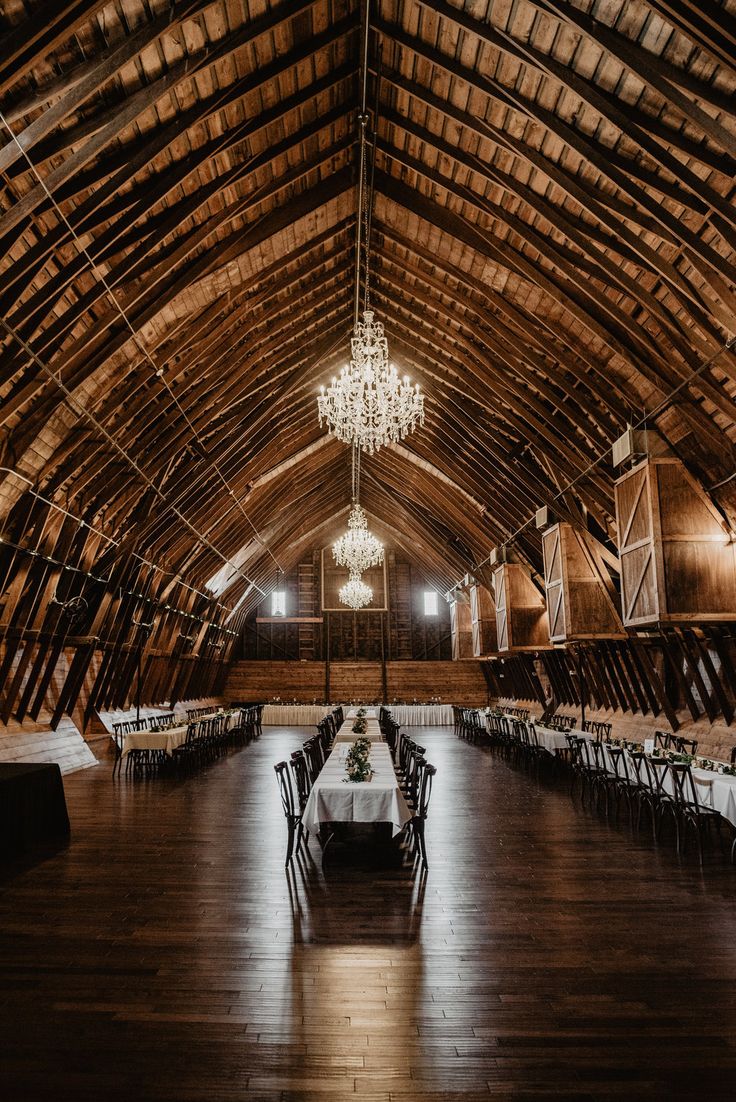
x=369 y=405
x=358 y=549
x=355 y=593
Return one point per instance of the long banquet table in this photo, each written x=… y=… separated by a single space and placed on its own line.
x=714 y=790
x=168 y=740
x=334 y=799
x=422 y=715
x=294 y=715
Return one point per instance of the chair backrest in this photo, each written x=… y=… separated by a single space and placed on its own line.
x=643 y=769
x=662 y=739
x=573 y=745
x=405 y=747
x=313 y=753
x=588 y=755
x=598 y=728
x=684 y=745
x=683 y=786
x=301 y=776
x=425 y=790
x=285 y=789
x=192 y=730
x=660 y=768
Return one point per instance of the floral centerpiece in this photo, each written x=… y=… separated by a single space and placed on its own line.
x=360 y=726
x=357 y=762
x=361 y=712
x=672 y=757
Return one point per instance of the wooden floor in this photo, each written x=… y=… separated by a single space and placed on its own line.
x=166 y=954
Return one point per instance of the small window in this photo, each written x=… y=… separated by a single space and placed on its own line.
x=278 y=602
x=430 y=602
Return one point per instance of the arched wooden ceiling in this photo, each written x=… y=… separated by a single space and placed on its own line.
x=553 y=256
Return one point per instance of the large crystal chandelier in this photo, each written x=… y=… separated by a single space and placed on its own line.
x=369 y=405
x=358 y=549
x=355 y=593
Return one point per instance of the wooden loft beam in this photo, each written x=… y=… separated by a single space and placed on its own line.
x=79 y=361
x=52 y=23
x=652 y=365
x=566 y=271
x=136 y=104
x=597 y=244
x=106 y=179
x=589 y=93
x=676 y=86
x=631 y=181
x=709 y=25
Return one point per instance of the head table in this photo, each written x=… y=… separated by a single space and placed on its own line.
x=334 y=799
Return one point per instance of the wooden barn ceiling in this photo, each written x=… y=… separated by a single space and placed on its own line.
x=552 y=255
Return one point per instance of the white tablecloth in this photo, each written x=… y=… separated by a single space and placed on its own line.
x=370 y=713
x=334 y=799
x=422 y=715
x=714 y=790
x=372 y=731
x=167 y=740
x=552 y=740
x=294 y=715
x=717 y=791
x=155 y=740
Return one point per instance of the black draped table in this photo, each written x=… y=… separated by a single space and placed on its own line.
x=32 y=808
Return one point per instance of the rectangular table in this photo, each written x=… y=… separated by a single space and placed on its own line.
x=334 y=799
x=422 y=715
x=714 y=790
x=32 y=807
x=372 y=731
x=294 y=715
x=168 y=740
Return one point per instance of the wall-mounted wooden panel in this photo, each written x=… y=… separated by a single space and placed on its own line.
x=579 y=603
x=677 y=562
x=521 y=612
x=461 y=628
x=483 y=620
x=461 y=683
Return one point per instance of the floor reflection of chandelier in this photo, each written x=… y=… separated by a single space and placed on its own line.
x=369 y=405
x=358 y=549
x=355 y=593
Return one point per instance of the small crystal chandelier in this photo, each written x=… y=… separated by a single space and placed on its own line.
x=355 y=593
x=358 y=549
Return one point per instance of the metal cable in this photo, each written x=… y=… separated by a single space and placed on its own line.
x=158 y=372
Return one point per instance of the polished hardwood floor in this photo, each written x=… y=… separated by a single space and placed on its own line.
x=166 y=954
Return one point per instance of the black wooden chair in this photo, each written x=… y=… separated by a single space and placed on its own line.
x=663 y=740
x=598 y=728
x=691 y=814
x=291 y=810
x=418 y=821
x=683 y=745
x=315 y=757
x=302 y=781
x=645 y=793
x=411 y=781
